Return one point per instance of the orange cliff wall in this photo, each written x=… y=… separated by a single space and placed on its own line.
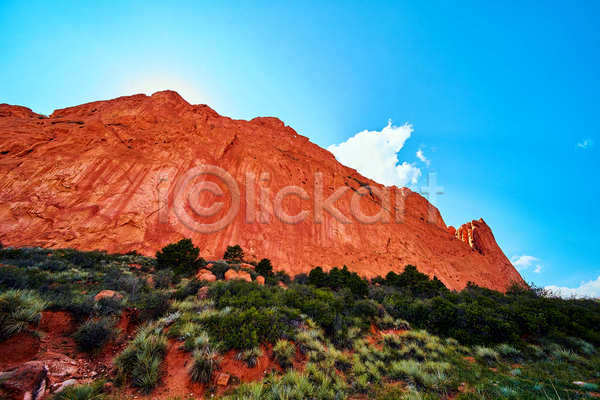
x=104 y=175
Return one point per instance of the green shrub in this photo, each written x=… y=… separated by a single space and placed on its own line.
x=163 y=279
x=92 y=391
x=81 y=307
x=140 y=361
x=250 y=356
x=187 y=288
x=181 y=258
x=563 y=354
x=234 y=254
x=338 y=279
x=284 y=353
x=264 y=267
x=109 y=306
x=93 y=334
x=508 y=352
x=18 y=309
x=430 y=375
x=486 y=354
x=153 y=305
x=219 y=269
x=206 y=362
x=245 y=329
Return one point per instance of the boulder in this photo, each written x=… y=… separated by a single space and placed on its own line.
x=59 y=365
x=206 y=275
x=59 y=387
x=223 y=379
x=25 y=382
x=232 y=274
x=108 y=293
x=260 y=280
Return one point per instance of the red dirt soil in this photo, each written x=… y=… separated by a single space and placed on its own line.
x=57 y=323
x=176 y=380
x=18 y=349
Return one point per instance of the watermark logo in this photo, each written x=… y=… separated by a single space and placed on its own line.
x=207 y=199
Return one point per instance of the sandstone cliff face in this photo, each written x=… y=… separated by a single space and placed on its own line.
x=108 y=175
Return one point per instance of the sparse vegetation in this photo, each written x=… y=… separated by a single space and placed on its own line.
x=206 y=362
x=93 y=334
x=92 y=391
x=284 y=353
x=403 y=336
x=18 y=309
x=140 y=362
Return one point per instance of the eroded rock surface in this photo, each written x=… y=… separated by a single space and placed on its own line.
x=108 y=175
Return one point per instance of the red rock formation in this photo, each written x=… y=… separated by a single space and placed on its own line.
x=206 y=275
x=232 y=274
x=107 y=175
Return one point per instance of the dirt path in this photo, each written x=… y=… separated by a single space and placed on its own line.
x=176 y=379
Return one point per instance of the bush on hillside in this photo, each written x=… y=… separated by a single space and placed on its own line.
x=234 y=254
x=18 y=309
x=245 y=329
x=181 y=258
x=284 y=353
x=264 y=267
x=93 y=334
x=153 y=305
x=141 y=360
x=219 y=269
x=206 y=362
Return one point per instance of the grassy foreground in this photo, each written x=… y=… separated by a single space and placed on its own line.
x=332 y=335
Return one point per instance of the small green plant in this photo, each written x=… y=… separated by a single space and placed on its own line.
x=508 y=352
x=486 y=354
x=93 y=334
x=163 y=279
x=153 y=305
x=140 y=361
x=92 y=391
x=109 y=306
x=563 y=354
x=310 y=340
x=250 y=356
x=18 y=309
x=206 y=362
x=284 y=352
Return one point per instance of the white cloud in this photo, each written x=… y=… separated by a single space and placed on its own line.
x=422 y=157
x=586 y=289
x=374 y=155
x=525 y=262
x=585 y=143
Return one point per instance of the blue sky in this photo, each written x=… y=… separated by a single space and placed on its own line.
x=498 y=95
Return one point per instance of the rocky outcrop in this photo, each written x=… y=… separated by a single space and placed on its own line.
x=232 y=274
x=25 y=382
x=119 y=175
x=103 y=294
x=206 y=275
x=478 y=236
